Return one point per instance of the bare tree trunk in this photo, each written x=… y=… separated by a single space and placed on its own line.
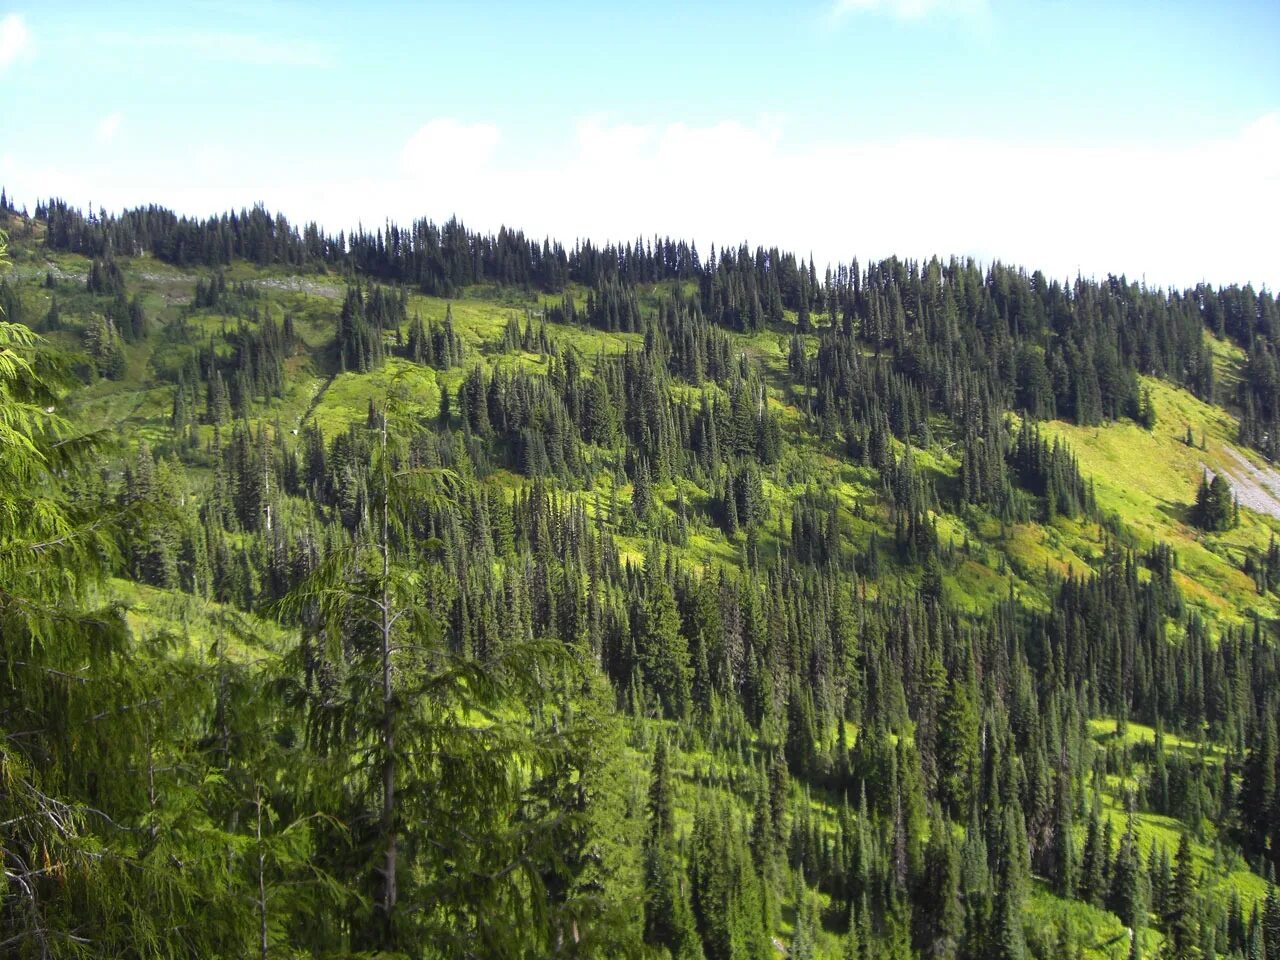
x=262 y=883
x=220 y=708
x=153 y=799
x=388 y=705
x=266 y=490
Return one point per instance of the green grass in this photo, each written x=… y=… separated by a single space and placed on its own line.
x=1048 y=920
x=1228 y=358
x=1149 y=480
x=1221 y=875
x=198 y=624
x=1103 y=730
x=1225 y=873
x=347 y=397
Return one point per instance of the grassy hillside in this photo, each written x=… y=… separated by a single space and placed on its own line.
x=1149 y=478
x=988 y=560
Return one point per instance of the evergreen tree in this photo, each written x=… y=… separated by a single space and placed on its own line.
x=1214 y=509
x=957 y=747
x=91 y=826
x=1182 y=914
x=369 y=623
x=662 y=648
x=668 y=915
x=1258 y=794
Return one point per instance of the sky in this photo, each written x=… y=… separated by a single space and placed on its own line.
x=1135 y=137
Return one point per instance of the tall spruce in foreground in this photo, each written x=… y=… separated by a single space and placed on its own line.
x=96 y=798
x=31 y=513
x=59 y=665
x=420 y=756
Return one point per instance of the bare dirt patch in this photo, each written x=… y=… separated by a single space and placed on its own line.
x=1257 y=488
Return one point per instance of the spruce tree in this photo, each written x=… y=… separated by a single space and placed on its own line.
x=1182 y=915
x=662 y=648
x=428 y=799
x=668 y=915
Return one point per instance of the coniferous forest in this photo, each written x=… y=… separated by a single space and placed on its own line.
x=427 y=593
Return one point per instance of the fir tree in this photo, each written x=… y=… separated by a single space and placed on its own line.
x=1182 y=915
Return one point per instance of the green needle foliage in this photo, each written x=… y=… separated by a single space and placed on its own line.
x=422 y=754
x=64 y=690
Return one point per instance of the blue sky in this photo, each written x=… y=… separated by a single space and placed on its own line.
x=1135 y=137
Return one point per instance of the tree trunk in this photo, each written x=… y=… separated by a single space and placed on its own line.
x=388 y=705
x=262 y=883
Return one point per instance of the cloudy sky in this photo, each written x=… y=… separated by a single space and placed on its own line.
x=1113 y=137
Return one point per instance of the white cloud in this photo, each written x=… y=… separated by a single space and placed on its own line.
x=15 y=39
x=1175 y=213
x=109 y=126
x=911 y=9
x=444 y=148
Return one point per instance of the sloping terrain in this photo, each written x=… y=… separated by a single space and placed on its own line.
x=1257 y=488
x=869 y=641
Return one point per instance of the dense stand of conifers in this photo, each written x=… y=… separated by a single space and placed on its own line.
x=489 y=732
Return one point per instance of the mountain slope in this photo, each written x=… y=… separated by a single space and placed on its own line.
x=908 y=644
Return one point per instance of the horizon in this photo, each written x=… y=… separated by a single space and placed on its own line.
x=713 y=249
